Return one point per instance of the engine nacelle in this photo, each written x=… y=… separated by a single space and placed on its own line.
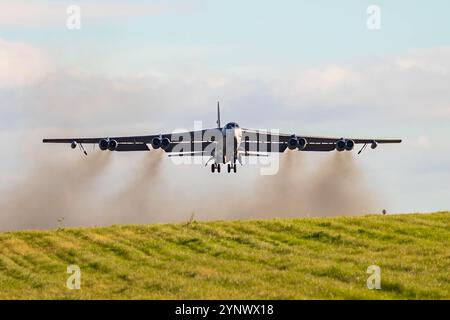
x=374 y=144
x=302 y=143
x=112 y=145
x=103 y=144
x=292 y=142
x=349 y=145
x=156 y=143
x=340 y=145
x=165 y=144
x=73 y=145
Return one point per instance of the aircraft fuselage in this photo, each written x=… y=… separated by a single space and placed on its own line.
x=227 y=147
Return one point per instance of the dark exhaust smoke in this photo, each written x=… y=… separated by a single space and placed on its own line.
x=333 y=186
x=338 y=187
x=141 y=198
x=67 y=193
x=54 y=191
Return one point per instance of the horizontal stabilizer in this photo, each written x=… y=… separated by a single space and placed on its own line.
x=132 y=147
x=180 y=147
x=324 y=147
x=188 y=154
x=262 y=147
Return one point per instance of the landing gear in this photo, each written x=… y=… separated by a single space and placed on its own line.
x=231 y=167
x=215 y=166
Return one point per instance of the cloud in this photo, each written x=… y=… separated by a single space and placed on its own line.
x=22 y=64
x=413 y=85
x=406 y=87
x=423 y=142
x=23 y=13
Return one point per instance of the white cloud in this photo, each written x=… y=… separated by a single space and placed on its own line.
x=432 y=60
x=21 y=64
x=423 y=142
x=411 y=85
x=53 y=13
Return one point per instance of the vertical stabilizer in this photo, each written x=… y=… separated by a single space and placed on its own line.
x=218 y=115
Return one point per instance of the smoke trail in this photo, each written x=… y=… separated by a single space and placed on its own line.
x=139 y=200
x=334 y=186
x=277 y=195
x=53 y=190
x=66 y=189
x=338 y=187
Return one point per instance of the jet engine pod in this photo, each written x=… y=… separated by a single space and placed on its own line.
x=73 y=145
x=156 y=143
x=302 y=143
x=165 y=144
x=374 y=144
x=340 y=145
x=103 y=144
x=292 y=142
x=112 y=145
x=349 y=145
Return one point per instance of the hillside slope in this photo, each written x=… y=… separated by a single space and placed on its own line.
x=282 y=258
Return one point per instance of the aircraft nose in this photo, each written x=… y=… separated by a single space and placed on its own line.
x=238 y=133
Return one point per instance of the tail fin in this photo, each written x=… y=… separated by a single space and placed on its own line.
x=218 y=114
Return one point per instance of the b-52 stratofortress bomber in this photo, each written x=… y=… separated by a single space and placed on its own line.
x=224 y=145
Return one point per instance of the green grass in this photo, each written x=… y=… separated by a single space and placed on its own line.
x=319 y=258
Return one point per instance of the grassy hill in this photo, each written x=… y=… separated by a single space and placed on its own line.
x=282 y=258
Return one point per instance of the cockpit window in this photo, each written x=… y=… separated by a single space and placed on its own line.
x=231 y=125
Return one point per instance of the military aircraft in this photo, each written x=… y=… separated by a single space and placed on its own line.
x=224 y=145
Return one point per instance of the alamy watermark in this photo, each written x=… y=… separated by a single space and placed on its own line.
x=74 y=280
x=374 y=280
x=73 y=21
x=240 y=147
x=374 y=17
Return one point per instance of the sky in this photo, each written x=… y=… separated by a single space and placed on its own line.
x=305 y=67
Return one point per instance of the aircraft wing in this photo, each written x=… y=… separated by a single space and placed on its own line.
x=186 y=141
x=309 y=143
x=147 y=139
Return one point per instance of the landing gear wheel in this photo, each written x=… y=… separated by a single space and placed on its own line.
x=213 y=168
x=234 y=168
x=218 y=168
x=229 y=168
